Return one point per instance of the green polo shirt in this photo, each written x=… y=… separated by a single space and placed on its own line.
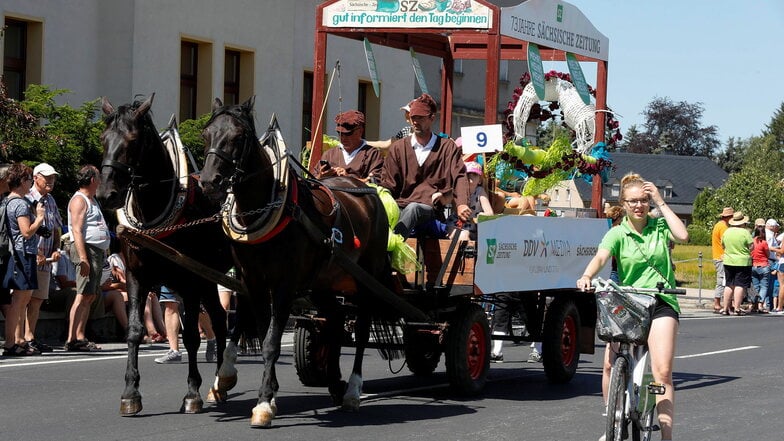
x=736 y=242
x=636 y=253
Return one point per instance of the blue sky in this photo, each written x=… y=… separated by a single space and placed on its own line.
x=725 y=54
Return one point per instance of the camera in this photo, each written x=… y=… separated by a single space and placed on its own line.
x=43 y=231
x=324 y=164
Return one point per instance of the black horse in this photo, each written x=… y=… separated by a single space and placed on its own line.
x=288 y=234
x=154 y=189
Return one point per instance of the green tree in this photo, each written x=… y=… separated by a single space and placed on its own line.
x=674 y=128
x=731 y=158
x=190 y=134
x=37 y=130
x=753 y=190
x=776 y=126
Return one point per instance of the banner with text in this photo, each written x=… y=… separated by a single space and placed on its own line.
x=371 y=62
x=526 y=253
x=453 y=14
x=555 y=24
x=578 y=79
x=536 y=69
x=420 y=76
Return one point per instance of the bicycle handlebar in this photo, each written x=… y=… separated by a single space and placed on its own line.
x=600 y=284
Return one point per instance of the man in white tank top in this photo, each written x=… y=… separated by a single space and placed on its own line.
x=90 y=236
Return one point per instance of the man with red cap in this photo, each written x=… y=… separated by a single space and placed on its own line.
x=353 y=157
x=425 y=172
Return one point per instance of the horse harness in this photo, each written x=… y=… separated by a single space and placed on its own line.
x=182 y=197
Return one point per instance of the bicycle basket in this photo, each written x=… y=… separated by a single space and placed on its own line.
x=624 y=317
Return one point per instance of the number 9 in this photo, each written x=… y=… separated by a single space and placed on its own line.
x=481 y=139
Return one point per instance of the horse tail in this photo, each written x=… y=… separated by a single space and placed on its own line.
x=245 y=332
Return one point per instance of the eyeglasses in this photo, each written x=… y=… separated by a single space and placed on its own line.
x=346 y=133
x=637 y=201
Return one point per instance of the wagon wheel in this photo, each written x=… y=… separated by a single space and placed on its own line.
x=422 y=357
x=310 y=355
x=561 y=341
x=468 y=350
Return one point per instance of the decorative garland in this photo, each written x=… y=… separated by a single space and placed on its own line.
x=546 y=168
x=551 y=111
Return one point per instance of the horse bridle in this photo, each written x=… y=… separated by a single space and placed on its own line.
x=240 y=174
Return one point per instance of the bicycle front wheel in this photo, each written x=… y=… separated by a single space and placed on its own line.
x=616 y=401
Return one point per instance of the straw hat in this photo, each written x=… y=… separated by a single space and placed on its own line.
x=759 y=222
x=727 y=212
x=738 y=219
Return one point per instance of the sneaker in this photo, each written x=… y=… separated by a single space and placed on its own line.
x=170 y=357
x=534 y=357
x=497 y=358
x=211 y=353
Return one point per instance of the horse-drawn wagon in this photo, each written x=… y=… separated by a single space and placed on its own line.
x=527 y=264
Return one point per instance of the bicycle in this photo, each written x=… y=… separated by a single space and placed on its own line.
x=626 y=320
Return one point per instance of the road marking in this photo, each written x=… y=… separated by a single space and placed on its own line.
x=96 y=357
x=724 y=351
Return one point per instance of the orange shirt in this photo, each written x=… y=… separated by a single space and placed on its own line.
x=718 y=230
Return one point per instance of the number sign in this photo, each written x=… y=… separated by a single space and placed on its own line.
x=482 y=139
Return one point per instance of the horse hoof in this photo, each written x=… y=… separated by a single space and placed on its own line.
x=192 y=405
x=216 y=396
x=262 y=416
x=130 y=406
x=350 y=404
x=226 y=384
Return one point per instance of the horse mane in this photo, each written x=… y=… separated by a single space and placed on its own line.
x=125 y=111
x=237 y=112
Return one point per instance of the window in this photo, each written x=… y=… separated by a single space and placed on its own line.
x=231 y=78
x=369 y=104
x=557 y=195
x=615 y=190
x=237 y=75
x=569 y=194
x=196 y=79
x=22 y=49
x=189 y=70
x=307 y=106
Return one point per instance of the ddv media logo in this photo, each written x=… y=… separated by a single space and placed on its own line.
x=491 y=249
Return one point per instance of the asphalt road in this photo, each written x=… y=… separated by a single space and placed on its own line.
x=728 y=377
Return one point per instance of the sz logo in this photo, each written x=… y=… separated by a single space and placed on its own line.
x=491 y=249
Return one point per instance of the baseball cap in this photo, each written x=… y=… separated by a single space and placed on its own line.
x=44 y=169
x=771 y=223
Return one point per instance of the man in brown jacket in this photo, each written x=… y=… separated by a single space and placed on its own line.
x=425 y=172
x=353 y=157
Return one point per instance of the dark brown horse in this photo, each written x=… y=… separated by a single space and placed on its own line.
x=154 y=189
x=287 y=235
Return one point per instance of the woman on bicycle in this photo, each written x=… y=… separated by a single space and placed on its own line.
x=640 y=245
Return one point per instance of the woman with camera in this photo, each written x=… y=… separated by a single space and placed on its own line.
x=20 y=273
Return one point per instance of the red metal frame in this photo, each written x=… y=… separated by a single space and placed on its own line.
x=449 y=44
